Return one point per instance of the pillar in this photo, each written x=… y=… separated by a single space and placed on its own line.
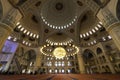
x=111 y=24
x=81 y=64
x=114 y=31
x=5 y=31
x=37 y=64
x=7 y=24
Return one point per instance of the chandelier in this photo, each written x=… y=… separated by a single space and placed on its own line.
x=59 y=51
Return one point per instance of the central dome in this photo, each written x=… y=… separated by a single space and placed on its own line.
x=59 y=14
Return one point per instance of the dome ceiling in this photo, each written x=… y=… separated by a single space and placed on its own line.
x=59 y=38
x=59 y=13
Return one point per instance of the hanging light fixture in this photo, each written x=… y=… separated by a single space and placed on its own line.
x=59 y=52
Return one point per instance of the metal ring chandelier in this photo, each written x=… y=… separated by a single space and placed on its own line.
x=59 y=51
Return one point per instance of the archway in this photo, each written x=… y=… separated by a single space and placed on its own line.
x=30 y=57
x=87 y=55
x=98 y=51
x=89 y=59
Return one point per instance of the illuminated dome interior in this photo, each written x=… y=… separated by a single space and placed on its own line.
x=60 y=37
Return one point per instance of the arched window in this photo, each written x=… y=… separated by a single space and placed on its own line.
x=103 y=58
x=69 y=70
x=107 y=69
x=50 y=71
x=56 y=71
x=99 y=50
x=87 y=54
x=63 y=71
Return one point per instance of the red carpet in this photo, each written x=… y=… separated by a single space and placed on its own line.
x=61 y=77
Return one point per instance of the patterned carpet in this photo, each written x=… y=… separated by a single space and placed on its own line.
x=61 y=77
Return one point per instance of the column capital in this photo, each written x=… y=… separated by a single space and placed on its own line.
x=106 y=16
x=112 y=26
x=5 y=31
x=12 y=18
x=5 y=26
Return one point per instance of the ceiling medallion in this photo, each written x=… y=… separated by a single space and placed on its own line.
x=59 y=51
x=59 y=6
x=59 y=14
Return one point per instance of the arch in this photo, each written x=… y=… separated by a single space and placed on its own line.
x=56 y=70
x=30 y=57
x=116 y=68
x=118 y=10
x=63 y=70
x=88 y=54
x=73 y=70
x=50 y=70
x=31 y=54
x=107 y=69
x=103 y=69
x=43 y=70
x=89 y=59
x=99 y=50
x=68 y=70
x=103 y=58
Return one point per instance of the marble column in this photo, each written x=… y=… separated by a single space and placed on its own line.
x=114 y=31
x=7 y=24
x=81 y=64
x=37 y=64
x=111 y=24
